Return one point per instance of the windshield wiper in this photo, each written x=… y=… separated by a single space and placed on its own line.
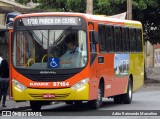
x=57 y=41
x=32 y=33
x=62 y=36
x=20 y=58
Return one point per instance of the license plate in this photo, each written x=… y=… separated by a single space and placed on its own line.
x=49 y=95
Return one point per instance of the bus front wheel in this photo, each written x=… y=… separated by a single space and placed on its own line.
x=95 y=104
x=35 y=105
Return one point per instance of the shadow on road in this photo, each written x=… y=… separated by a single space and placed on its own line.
x=77 y=108
x=68 y=108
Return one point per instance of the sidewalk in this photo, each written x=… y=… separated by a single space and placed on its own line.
x=12 y=105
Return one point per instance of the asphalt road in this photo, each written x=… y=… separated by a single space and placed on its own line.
x=146 y=98
x=141 y=101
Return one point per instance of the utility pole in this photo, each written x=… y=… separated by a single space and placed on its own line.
x=129 y=9
x=89 y=9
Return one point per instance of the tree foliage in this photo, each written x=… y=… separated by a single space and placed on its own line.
x=63 y=5
x=24 y=2
x=146 y=11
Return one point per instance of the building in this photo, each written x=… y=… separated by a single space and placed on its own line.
x=8 y=6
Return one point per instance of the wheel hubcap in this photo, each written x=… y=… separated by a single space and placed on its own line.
x=130 y=91
x=99 y=94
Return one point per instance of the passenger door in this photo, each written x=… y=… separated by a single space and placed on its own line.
x=93 y=65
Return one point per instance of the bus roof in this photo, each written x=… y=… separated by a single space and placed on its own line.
x=102 y=18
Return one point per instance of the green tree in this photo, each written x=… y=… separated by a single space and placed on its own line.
x=52 y=5
x=24 y=2
x=63 y=5
x=148 y=13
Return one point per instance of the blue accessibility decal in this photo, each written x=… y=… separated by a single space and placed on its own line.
x=53 y=62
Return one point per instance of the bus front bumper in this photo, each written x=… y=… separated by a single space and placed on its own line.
x=60 y=94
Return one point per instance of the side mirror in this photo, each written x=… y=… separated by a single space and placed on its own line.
x=93 y=36
x=9 y=25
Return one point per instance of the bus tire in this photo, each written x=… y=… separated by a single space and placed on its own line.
x=95 y=104
x=127 y=98
x=35 y=105
x=118 y=99
x=69 y=102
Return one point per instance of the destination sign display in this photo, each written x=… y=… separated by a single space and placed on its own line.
x=38 y=21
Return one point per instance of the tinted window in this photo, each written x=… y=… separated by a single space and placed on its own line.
x=125 y=39
x=139 y=39
x=118 y=38
x=110 y=47
x=132 y=37
x=101 y=35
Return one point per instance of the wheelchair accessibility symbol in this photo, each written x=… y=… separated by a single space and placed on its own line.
x=53 y=62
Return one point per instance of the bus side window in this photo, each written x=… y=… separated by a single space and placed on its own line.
x=125 y=39
x=121 y=41
x=132 y=37
x=101 y=36
x=128 y=40
x=117 y=37
x=139 y=40
x=110 y=47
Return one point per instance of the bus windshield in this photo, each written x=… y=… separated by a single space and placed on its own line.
x=47 y=49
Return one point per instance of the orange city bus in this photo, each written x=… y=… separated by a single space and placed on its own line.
x=75 y=57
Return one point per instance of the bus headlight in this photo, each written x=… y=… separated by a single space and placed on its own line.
x=80 y=84
x=19 y=85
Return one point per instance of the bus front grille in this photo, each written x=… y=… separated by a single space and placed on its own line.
x=57 y=96
x=48 y=77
